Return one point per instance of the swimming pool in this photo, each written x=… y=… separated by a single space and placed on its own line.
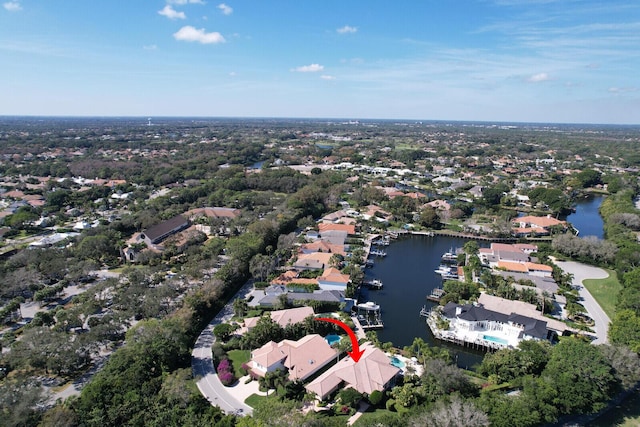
x=332 y=339
x=397 y=362
x=495 y=339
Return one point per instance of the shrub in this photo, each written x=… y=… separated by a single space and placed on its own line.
x=376 y=397
x=391 y=405
x=225 y=373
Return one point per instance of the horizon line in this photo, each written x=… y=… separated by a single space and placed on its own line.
x=285 y=118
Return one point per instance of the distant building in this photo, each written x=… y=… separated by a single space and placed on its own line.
x=160 y=232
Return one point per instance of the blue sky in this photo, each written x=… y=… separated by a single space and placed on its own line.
x=574 y=61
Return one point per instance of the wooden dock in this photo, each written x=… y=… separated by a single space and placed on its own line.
x=435 y=295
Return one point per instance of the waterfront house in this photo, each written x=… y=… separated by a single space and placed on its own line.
x=333 y=280
x=495 y=322
x=313 y=261
x=475 y=324
x=536 y=225
x=324 y=227
x=373 y=371
x=531 y=268
x=300 y=358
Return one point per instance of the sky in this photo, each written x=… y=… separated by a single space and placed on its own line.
x=551 y=61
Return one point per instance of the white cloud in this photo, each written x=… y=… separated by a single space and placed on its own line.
x=191 y=34
x=226 y=10
x=312 y=68
x=233 y=74
x=171 y=13
x=347 y=29
x=623 y=89
x=327 y=77
x=150 y=47
x=537 y=78
x=185 y=1
x=12 y=6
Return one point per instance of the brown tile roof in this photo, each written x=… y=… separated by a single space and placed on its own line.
x=513 y=266
x=540 y=221
x=349 y=228
x=334 y=275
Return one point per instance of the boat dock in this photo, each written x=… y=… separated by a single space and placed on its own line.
x=378 y=252
x=373 y=284
x=369 y=315
x=435 y=295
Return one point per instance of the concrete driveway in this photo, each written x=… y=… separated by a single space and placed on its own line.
x=581 y=272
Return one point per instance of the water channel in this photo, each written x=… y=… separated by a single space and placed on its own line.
x=407 y=273
x=587 y=218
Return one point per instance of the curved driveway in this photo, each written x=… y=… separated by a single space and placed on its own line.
x=581 y=272
x=202 y=363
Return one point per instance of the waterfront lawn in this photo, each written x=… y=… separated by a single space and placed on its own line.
x=605 y=291
x=238 y=357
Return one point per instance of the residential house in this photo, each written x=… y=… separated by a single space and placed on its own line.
x=283 y=317
x=531 y=268
x=333 y=280
x=373 y=371
x=505 y=306
x=535 y=225
x=542 y=283
x=322 y=246
x=301 y=358
x=313 y=261
x=324 y=227
x=163 y=230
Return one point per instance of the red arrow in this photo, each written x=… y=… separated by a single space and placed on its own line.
x=355 y=352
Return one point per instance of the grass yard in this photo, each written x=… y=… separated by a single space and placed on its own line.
x=238 y=357
x=255 y=398
x=627 y=414
x=605 y=291
x=378 y=415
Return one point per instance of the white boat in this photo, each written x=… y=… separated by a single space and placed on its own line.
x=377 y=252
x=443 y=269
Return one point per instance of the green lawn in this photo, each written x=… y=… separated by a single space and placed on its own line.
x=605 y=291
x=378 y=414
x=238 y=357
x=627 y=414
x=254 y=399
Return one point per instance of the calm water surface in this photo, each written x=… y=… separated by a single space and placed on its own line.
x=587 y=218
x=408 y=276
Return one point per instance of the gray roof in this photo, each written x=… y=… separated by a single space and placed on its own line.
x=476 y=313
x=543 y=283
x=166 y=228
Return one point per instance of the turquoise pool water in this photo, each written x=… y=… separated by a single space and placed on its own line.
x=397 y=362
x=332 y=339
x=495 y=339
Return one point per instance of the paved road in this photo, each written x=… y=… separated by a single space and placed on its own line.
x=581 y=272
x=202 y=364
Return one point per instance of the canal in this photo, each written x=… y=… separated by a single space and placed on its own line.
x=587 y=217
x=407 y=273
